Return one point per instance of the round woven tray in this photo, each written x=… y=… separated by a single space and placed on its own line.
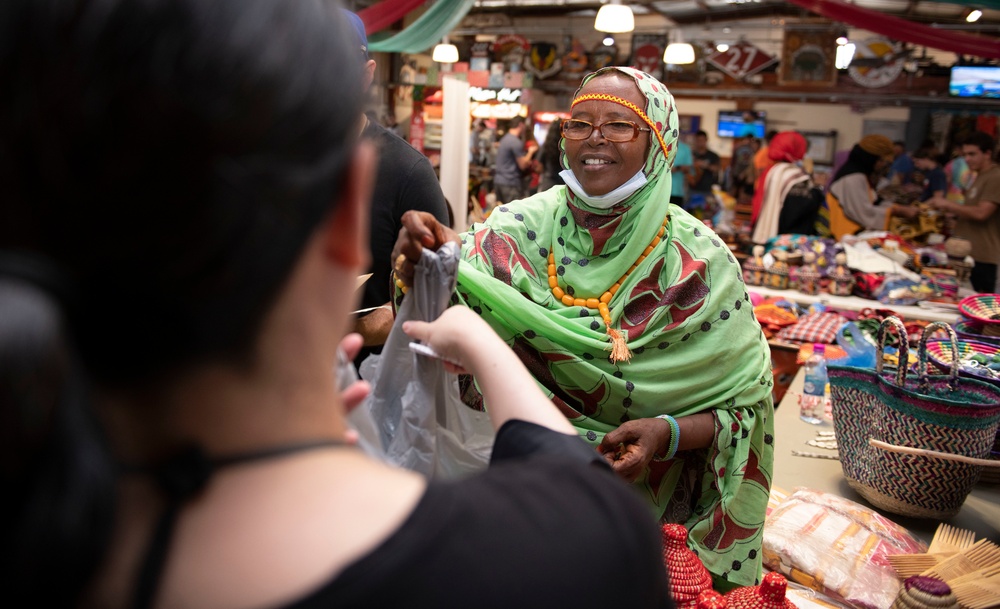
x=939 y=352
x=984 y=308
x=970 y=329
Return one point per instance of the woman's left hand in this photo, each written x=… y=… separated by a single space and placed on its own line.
x=631 y=447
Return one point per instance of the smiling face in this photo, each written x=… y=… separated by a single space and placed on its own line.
x=600 y=165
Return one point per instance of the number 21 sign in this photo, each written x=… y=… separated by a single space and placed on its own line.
x=741 y=60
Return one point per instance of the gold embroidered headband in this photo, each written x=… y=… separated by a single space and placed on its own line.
x=627 y=104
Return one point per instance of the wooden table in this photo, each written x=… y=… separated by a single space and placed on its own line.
x=980 y=513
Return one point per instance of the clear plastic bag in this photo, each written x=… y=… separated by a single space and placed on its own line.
x=836 y=546
x=414 y=417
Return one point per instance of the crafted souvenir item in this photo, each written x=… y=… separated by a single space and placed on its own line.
x=841 y=277
x=710 y=599
x=754 y=269
x=688 y=576
x=779 y=272
x=770 y=594
x=808 y=274
x=919 y=592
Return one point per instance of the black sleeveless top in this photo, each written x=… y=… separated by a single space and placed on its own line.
x=547 y=525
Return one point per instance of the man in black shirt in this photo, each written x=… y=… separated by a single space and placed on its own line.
x=405 y=181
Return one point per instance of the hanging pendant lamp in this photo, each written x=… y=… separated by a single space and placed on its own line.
x=614 y=18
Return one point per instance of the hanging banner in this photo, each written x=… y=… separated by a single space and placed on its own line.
x=543 y=60
x=647 y=53
x=574 y=63
x=877 y=62
x=741 y=60
x=897 y=28
x=602 y=57
x=807 y=57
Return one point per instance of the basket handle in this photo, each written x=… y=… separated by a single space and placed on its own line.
x=883 y=330
x=922 y=355
x=923 y=452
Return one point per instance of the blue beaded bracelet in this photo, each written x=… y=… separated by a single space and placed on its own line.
x=675 y=438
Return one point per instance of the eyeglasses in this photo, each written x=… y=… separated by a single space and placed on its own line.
x=613 y=131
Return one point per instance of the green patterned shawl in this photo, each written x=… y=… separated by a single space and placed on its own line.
x=689 y=323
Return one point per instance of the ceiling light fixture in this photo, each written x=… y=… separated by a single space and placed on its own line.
x=974 y=15
x=842 y=40
x=608 y=41
x=845 y=53
x=722 y=47
x=614 y=18
x=678 y=52
x=445 y=52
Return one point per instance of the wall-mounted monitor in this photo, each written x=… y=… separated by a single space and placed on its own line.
x=741 y=123
x=975 y=81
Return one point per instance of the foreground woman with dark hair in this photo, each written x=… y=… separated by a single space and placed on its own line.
x=184 y=216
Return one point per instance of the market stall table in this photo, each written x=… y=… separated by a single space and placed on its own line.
x=855 y=303
x=980 y=513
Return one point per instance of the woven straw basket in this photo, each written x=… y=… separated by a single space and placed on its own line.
x=913 y=447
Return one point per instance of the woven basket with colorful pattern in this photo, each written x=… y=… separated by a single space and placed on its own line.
x=939 y=352
x=970 y=329
x=913 y=446
x=981 y=307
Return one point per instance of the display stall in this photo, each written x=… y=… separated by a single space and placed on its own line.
x=819 y=469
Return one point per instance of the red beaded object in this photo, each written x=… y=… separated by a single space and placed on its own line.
x=710 y=599
x=688 y=576
x=770 y=594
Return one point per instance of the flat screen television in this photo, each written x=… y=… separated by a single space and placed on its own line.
x=741 y=123
x=975 y=81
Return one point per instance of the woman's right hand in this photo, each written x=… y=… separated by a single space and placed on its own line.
x=509 y=390
x=420 y=230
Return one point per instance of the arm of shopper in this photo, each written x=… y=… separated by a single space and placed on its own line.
x=509 y=390
x=420 y=230
x=524 y=162
x=631 y=446
x=978 y=212
x=854 y=195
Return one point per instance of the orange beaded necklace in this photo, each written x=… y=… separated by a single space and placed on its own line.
x=619 y=350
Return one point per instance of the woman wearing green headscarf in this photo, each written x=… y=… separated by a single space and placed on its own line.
x=633 y=316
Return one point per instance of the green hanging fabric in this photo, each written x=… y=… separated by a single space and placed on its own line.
x=427 y=30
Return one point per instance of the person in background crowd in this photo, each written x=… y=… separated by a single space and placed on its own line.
x=475 y=153
x=705 y=171
x=741 y=172
x=852 y=203
x=173 y=434
x=549 y=158
x=789 y=202
x=405 y=181
x=901 y=170
x=629 y=312
x=533 y=174
x=513 y=163
x=977 y=219
x=958 y=174
x=761 y=161
x=935 y=182
x=682 y=167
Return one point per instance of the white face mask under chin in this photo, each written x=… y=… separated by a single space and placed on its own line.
x=606 y=201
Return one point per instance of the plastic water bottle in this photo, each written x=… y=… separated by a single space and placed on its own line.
x=813 y=400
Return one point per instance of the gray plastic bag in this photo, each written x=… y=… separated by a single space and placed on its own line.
x=414 y=417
